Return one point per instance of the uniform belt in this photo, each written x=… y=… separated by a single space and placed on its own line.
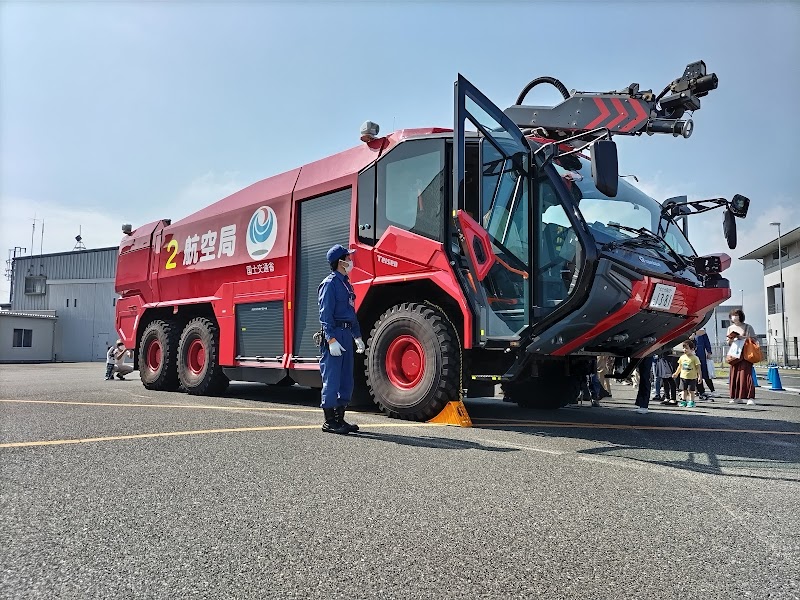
x=344 y=324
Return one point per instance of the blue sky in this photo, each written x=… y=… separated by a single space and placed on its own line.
x=132 y=111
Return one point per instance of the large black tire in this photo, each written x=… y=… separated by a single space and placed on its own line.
x=546 y=392
x=361 y=397
x=158 y=356
x=199 y=370
x=413 y=362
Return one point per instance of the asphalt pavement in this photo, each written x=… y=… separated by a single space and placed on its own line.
x=112 y=491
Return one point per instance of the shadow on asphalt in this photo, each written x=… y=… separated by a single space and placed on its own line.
x=683 y=439
x=430 y=442
x=720 y=443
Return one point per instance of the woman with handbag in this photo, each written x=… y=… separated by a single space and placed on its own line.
x=741 y=382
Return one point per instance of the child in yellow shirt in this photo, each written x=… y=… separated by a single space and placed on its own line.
x=689 y=371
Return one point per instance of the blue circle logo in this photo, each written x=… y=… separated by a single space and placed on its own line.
x=262 y=232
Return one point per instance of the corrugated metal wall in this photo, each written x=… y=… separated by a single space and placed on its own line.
x=324 y=221
x=84 y=329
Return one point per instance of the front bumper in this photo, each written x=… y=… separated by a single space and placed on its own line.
x=617 y=318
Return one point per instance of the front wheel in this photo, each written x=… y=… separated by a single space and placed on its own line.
x=413 y=362
x=199 y=370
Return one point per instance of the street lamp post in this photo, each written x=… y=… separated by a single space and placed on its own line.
x=783 y=298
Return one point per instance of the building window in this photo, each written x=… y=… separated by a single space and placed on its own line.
x=75 y=303
x=725 y=323
x=784 y=254
x=22 y=338
x=35 y=284
x=114 y=302
x=67 y=302
x=774 y=299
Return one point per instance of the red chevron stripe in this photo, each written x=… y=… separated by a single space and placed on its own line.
x=641 y=115
x=604 y=112
x=622 y=114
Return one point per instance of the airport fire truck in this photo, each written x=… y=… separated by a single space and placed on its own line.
x=504 y=250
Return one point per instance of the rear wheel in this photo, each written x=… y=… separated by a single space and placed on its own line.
x=199 y=370
x=158 y=354
x=413 y=362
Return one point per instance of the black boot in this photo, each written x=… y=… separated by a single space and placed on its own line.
x=340 y=418
x=332 y=424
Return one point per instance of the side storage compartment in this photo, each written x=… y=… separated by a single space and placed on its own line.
x=259 y=331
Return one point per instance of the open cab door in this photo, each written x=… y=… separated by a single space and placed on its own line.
x=494 y=229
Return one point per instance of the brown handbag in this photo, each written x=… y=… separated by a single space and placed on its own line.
x=751 y=352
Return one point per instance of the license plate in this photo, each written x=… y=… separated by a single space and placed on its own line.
x=662 y=297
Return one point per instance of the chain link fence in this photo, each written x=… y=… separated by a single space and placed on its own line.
x=774 y=353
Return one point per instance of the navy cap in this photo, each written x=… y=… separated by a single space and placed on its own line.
x=338 y=252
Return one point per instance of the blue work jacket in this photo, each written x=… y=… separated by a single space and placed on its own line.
x=337 y=305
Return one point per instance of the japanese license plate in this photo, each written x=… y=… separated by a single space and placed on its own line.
x=662 y=297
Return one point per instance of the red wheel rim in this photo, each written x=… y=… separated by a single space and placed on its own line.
x=196 y=357
x=405 y=362
x=154 y=354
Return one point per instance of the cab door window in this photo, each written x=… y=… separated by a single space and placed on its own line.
x=411 y=189
x=559 y=254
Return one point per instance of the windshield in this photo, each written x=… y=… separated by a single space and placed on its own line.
x=630 y=208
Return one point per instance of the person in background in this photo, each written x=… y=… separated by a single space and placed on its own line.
x=704 y=354
x=664 y=368
x=689 y=371
x=656 y=379
x=111 y=359
x=741 y=376
x=119 y=360
x=643 y=394
x=605 y=366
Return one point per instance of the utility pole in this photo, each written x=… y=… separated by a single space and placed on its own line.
x=783 y=298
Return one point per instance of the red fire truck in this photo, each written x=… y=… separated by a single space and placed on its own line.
x=504 y=250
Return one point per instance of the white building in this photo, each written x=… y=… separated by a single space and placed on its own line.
x=27 y=337
x=786 y=304
x=717 y=326
x=74 y=288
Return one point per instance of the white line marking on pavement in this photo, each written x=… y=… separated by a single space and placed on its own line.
x=531 y=448
x=132 y=394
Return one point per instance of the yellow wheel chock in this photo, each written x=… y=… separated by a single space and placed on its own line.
x=454 y=413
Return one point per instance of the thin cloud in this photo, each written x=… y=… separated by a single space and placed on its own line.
x=98 y=227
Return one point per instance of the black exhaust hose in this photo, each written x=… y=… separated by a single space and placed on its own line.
x=545 y=79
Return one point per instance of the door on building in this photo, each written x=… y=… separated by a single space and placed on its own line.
x=102 y=341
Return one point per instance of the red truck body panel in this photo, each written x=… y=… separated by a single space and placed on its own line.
x=208 y=256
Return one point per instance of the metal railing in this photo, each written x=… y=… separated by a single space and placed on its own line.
x=773 y=353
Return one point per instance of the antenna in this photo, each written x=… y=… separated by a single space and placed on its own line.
x=12 y=254
x=33 y=231
x=79 y=245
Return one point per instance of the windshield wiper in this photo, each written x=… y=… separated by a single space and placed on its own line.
x=646 y=239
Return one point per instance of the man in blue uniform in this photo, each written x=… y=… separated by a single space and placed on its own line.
x=340 y=329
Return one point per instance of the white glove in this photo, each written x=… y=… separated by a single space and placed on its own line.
x=360 y=346
x=336 y=348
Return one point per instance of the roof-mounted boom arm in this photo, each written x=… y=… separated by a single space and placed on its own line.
x=627 y=112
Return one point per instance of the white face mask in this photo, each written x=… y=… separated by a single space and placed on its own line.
x=735 y=318
x=348 y=265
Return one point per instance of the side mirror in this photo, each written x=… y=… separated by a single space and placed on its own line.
x=729 y=229
x=739 y=205
x=605 y=170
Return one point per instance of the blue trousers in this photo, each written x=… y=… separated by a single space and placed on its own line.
x=337 y=371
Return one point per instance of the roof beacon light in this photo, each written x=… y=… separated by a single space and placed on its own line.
x=369 y=131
